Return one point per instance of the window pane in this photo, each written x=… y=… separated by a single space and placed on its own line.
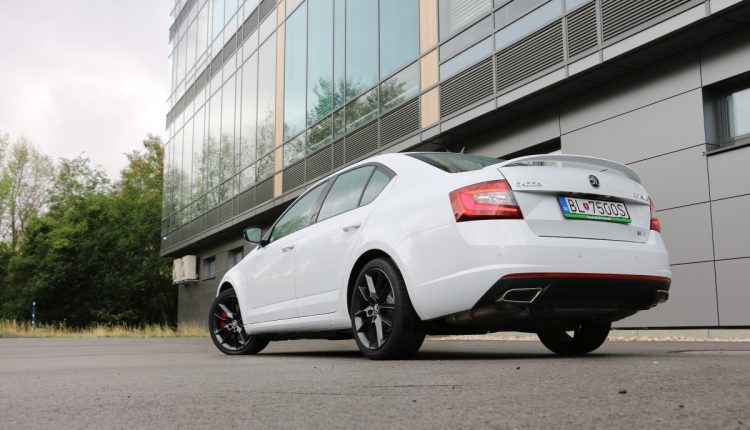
x=265 y=167
x=294 y=150
x=217 y=23
x=202 y=35
x=213 y=148
x=570 y=4
x=339 y=49
x=399 y=34
x=457 y=14
x=466 y=58
x=400 y=88
x=472 y=35
x=738 y=113
x=319 y=60
x=299 y=215
x=345 y=192
x=199 y=141
x=319 y=135
x=362 y=110
x=247 y=178
x=266 y=96
x=249 y=112
x=361 y=46
x=227 y=129
x=530 y=22
x=513 y=10
x=339 y=126
x=378 y=181
x=294 y=72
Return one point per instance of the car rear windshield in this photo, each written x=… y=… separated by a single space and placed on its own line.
x=452 y=162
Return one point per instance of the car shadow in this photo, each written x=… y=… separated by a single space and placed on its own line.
x=443 y=355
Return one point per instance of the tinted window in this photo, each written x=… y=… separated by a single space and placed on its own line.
x=378 y=181
x=455 y=163
x=345 y=192
x=299 y=215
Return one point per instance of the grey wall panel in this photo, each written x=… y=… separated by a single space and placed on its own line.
x=729 y=173
x=731 y=232
x=726 y=58
x=528 y=132
x=672 y=78
x=692 y=301
x=733 y=285
x=666 y=126
x=675 y=179
x=687 y=233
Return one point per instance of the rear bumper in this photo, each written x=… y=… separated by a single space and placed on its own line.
x=570 y=291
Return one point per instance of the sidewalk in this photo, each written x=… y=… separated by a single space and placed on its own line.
x=633 y=335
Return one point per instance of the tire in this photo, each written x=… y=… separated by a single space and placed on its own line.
x=587 y=337
x=384 y=323
x=226 y=329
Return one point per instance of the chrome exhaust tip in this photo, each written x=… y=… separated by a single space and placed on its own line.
x=520 y=295
x=662 y=296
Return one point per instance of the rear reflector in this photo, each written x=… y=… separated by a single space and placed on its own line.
x=486 y=200
x=655 y=223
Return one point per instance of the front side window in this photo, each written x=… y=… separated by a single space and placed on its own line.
x=299 y=215
x=345 y=192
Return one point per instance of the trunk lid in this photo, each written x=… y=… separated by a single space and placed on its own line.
x=539 y=181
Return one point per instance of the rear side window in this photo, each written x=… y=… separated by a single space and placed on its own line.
x=299 y=215
x=345 y=192
x=455 y=163
x=378 y=181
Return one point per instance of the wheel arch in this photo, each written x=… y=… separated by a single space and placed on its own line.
x=223 y=286
x=363 y=259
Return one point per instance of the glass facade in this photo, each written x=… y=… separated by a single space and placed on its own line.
x=345 y=63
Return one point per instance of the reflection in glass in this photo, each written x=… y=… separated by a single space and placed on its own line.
x=457 y=14
x=738 y=113
x=202 y=31
x=227 y=129
x=532 y=21
x=378 y=181
x=199 y=140
x=319 y=135
x=266 y=96
x=294 y=72
x=399 y=34
x=319 y=60
x=361 y=46
x=249 y=112
x=345 y=192
x=513 y=10
x=362 y=110
x=299 y=215
x=247 y=178
x=467 y=38
x=213 y=148
x=339 y=49
x=400 y=88
x=466 y=58
x=339 y=126
x=294 y=150
x=265 y=167
x=217 y=23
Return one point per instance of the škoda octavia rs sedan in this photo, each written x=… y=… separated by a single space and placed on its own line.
x=404 y=245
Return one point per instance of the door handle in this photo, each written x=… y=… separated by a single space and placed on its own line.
x=287 y=248
x=351 y=227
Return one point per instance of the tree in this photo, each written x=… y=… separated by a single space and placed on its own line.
x=24 y=186
x=76 y=178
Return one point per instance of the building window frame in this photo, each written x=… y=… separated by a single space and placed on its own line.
x=717 y=114
x=209 y=268
x=232 y=255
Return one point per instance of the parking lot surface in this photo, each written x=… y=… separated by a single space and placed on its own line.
x=187 y=383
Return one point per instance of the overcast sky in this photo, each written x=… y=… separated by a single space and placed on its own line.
x=84 y=76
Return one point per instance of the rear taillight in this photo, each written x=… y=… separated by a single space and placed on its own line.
x=486 y=200
x=655 y=224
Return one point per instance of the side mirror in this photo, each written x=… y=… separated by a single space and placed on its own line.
x=254 y=235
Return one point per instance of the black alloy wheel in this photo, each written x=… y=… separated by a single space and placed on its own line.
x=383 y=320
x=586 y=337
x=226 y=328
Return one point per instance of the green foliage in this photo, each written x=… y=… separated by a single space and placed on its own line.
x=94 y=256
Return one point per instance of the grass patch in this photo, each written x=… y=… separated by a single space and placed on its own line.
x=23 y=329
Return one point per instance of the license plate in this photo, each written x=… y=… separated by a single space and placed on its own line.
x=597 y=210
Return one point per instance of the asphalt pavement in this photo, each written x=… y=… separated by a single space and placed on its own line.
x=187 y=383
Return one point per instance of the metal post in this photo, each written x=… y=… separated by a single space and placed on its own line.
x=33 y=316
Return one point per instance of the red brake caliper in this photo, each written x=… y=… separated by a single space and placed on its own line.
x=223 y=316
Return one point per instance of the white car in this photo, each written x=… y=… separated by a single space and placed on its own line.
x=403 y=245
